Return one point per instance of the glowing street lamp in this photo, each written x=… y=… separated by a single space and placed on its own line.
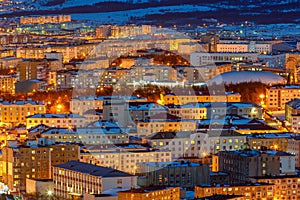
x=262 y=98
x=59 y=107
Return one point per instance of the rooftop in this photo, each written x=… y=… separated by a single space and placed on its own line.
x=92 y=169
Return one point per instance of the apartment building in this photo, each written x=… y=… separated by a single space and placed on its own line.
x=118 y=109
x=7 y=84
x=150 y=74
x=101 y=132
x=198 y=144
x=278 y=96
x=292 y=114
x=28 y=69
x=202 y=58
x=242 y=164
x=276 y=141
x=285 y=187
x=79 y=105
x=73 y=179
x=182 y=174
x=216 y=110
x=163 y=122
x=33 y=159
x=123 y=157
x=45 y=19
x=181 y=98
x=128 y=112
x=293 y=147
x=9 y=62
x=189 y=111
x=238 y=47
x=56 y=120
x=157 y=193
x=250 y=191
x=15 y=112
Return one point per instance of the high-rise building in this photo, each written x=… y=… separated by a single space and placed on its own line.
x=33 y=159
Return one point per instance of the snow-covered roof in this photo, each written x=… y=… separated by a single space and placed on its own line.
x=235 y=77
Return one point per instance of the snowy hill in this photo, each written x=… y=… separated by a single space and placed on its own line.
x=162 y=11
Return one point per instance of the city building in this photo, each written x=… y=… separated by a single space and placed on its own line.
x=278 y=96
x=123 y=157
x=254 y=191
x=158 y=193
x=101 y=132
x=242 y=164
x=28 y=69
x=7 y=84
x=163 y=122
x=182 y=174
x=200 y=58
x=33 y=159
x=276 y=141
x=293 y=147
x=73 y=179
x=285 y=186
x=181 y=98
x=292 y=114
x=45 y=19
x=15 y=112
x=56 y=120
x=198 y=144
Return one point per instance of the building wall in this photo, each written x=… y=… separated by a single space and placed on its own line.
x=35 y=163
x=240 y=167
x=39 y=186
x=124 y=160
x=67 y=181
x=293 y=147
x=277 y=97
x=251 y=192
x=12 y=113
x=170 y=193
x=56 y=122
x=120 y=182
x=285 y=187
x=147 y=128
x=192 y=98
x=185 y=176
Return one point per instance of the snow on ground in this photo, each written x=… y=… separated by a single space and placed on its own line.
x=124 y=16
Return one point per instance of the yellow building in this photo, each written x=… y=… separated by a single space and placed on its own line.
x=285 y=187
x=180 y=99
x=262 y=191
x=7 y=84
x=15 y=112
x=157 y=193
x=278 y=96
x=56 y=120
x=164 y=122
x=189 y=111
x=33 y=159
x=45 y=19
x=277 y=141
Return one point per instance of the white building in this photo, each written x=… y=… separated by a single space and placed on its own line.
x=75 y=178
x=200 y=58
x=123 y=157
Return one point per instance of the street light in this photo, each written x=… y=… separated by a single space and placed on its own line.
x=49 y=193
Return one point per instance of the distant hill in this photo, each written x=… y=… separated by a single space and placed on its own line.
x=259 y=11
